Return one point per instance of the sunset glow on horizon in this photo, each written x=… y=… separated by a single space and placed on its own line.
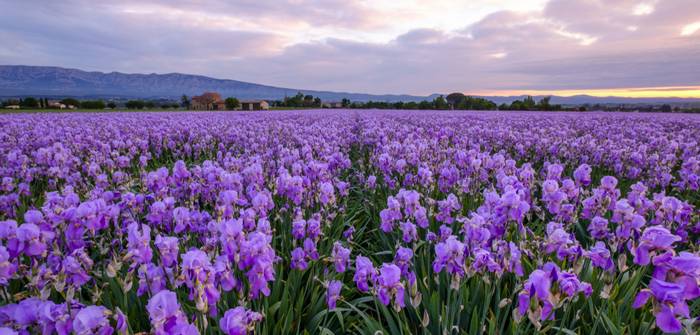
x=644 y=92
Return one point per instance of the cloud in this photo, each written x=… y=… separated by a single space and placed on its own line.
x=380 y=46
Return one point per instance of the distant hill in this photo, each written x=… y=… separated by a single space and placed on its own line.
x=23 y=80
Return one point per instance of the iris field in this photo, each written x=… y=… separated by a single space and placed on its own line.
x=349 y=222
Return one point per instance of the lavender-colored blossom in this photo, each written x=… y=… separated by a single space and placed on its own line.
x=450 y=255
x=408 y=231
x=298 y=260
x=151 y=279
x=600 y=256
x=166 y=317
x=598 y=228
x=582 y=175
x=669 y=297
x=239 y=321
x=7 y=267
x=139 y=243
x=389 y=285
x=92 y=320
x=655 y=238
x=299 y=229
x=168 y=249
x=403 y=259
x=340 y=256
x=365 y=273
x=333 y=293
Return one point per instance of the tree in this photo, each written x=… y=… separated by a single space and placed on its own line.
x=70 y=102
x=308 y=100
x=29 y=102
x=440 y=103
x=295 y=101
x=135 y=104
x=112 y=105
x=317 y=102
x=529 y=103
x=150 y=104
x=543 y=104
x=92 y=104
x=185 y=101
x=664 y=108
x=454 y=99
x=345 y=102
x=232 y=103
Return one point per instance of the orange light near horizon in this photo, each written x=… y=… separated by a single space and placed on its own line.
x=641 y=92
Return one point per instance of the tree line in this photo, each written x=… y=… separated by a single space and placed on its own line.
x=455 y=101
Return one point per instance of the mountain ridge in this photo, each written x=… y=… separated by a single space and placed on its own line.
x=30 y=80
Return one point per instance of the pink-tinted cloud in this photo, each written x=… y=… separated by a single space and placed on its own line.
x=381 y=46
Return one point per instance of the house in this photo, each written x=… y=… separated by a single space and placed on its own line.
x=209 y=101
x=12 y=107
x=56 y=104
x=332 y=104
x=254 y=105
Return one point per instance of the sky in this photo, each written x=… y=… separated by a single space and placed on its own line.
x=636 y=48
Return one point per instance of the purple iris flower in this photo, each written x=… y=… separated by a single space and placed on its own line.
x=139 y=244
x=165 y=315
x=340 y=256
x=450 y=255
x=224 y=273
x=600 y=256
x=299 y=229
x=299 y=259
x=365 y=273
x=327 y=193
x=670 y=304
x=654 y=238
x=30 y=240
x=333 y=293
x=403 y=259
x=92 y=320
x=239 y=321
x=409 y=232
x=199 y=277
x=151 y=279
x=168 y=248
x=310 y=249
x=389 y=285
x=313 y=226
x=598 y=228
x=582 y=175
x=7 y=267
